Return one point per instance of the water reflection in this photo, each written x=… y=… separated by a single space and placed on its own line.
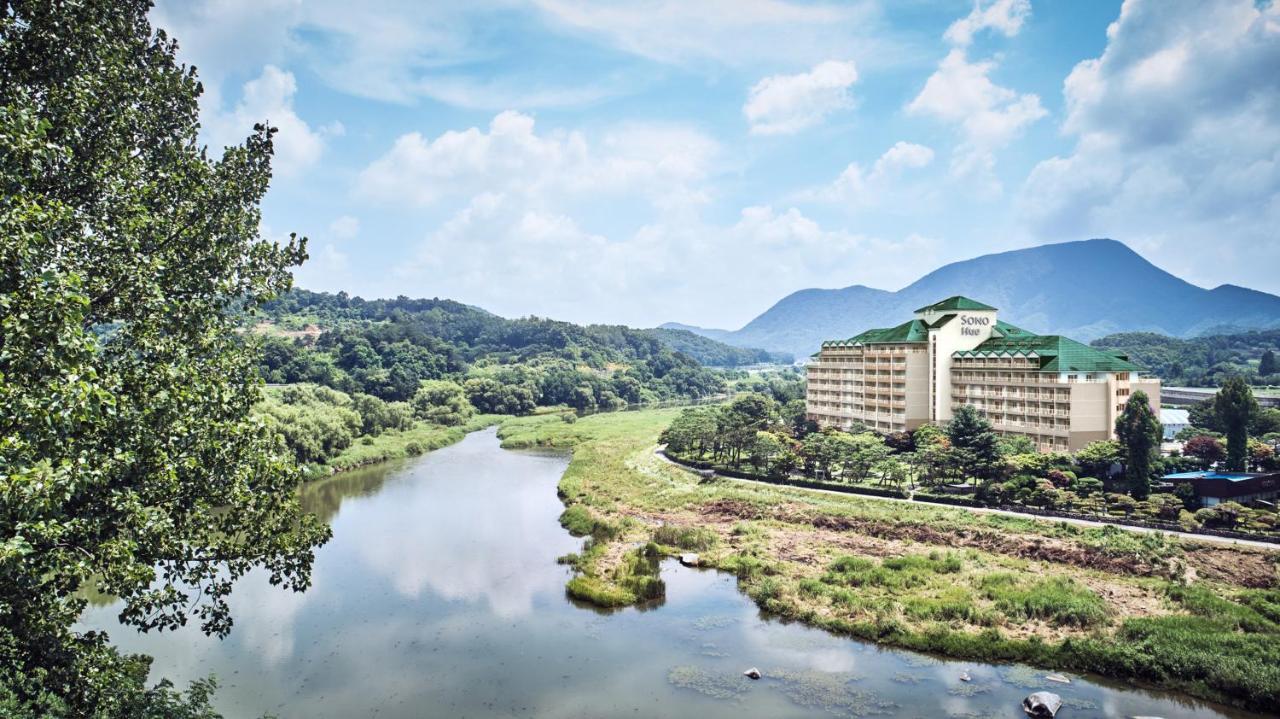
x=439 y=595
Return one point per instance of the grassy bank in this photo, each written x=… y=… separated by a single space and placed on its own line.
x=1201 y=618
x=423 y=437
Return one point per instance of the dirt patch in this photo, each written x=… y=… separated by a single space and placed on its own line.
x=1252 y=569
x=1031 y=547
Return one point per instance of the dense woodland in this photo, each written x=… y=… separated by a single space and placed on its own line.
x=387 y=348
x=1201 y=361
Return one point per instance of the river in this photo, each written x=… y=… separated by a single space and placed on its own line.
x=439 y=596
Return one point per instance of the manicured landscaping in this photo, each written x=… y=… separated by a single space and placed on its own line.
x=1181 y=614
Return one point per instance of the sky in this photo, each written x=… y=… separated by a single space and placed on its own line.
x=644 y=161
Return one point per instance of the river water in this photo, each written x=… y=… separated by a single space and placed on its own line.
x=439 y=596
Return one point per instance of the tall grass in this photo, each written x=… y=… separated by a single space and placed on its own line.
x=1057 y=600
x=692 y=538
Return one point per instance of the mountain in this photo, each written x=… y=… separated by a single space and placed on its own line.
x=1084 y=290
x=714 y=353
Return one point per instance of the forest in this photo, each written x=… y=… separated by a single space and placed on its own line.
x=387 y=348
x=1201 y=361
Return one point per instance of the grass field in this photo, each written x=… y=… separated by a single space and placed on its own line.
x=1190 y=616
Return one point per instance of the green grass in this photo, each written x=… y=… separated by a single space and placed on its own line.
x=892 y=572
x=397 y=444
x=1057 y=600
x=581 y=522
x=634 y=580
x=692 y=538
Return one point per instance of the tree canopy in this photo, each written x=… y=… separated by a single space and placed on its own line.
x=128 y=457
x=1235 y=407
x=1138 y=430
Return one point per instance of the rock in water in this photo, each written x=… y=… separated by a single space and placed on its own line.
x=689 y=560
x=1042 y=705
x=752 y=672
x=1059 y=678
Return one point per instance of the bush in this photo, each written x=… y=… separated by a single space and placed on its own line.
x=442 y=402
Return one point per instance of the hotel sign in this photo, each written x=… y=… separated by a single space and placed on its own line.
x=973 y=326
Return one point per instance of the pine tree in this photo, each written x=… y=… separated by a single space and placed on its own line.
x=1235 y=407
x=1138 y=430
x=1267 y=366
x=974 y=442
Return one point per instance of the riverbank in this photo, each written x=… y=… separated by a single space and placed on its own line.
x=423 y=437
x=1146 y=607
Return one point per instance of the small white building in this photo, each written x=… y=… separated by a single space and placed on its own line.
x=1174 y=421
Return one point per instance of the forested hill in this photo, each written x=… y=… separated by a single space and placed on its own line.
x=386 y=348
x=1201 y=361
x=713 y=353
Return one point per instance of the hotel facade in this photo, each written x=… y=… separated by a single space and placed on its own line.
x=1059 y=393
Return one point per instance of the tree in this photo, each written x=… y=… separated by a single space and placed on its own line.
x=1097 y=458
x=1235 y=407
x=1138 y=430
x=1204 y=415
x=740 y=420
x=975 y=443
x=1268 y=366
x=1208 y=451
x=1015 y=444
x=440 y=401
x=129 y=460
x=862 y=453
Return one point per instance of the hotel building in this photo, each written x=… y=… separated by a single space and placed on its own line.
x=1058 y=392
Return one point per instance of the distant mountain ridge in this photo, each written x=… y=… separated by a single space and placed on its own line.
x=1084 y=289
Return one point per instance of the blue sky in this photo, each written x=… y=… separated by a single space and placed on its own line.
x=653 y=160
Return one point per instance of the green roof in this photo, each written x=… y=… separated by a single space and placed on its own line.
x=1004 y=329
x=952 y=304
x=1056 y=353
x=907 y=332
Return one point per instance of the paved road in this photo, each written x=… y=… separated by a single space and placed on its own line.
x=1187 y=536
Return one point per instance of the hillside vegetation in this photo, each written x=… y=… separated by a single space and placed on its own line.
x=387 y=348
x=1201 y=361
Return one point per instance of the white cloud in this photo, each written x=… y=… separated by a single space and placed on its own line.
x=856 y=187
x=735 y=32
x=1003 y=16
x=961 y=93
x=988 y=115
x=344 y=227
x=662 y=269
x=389 y=50
x=269 y=98
x=1177 y=129
x=664 y=164
x=785 y=104
x=902 y=155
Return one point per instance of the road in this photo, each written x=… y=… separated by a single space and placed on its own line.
x=1186 y=536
